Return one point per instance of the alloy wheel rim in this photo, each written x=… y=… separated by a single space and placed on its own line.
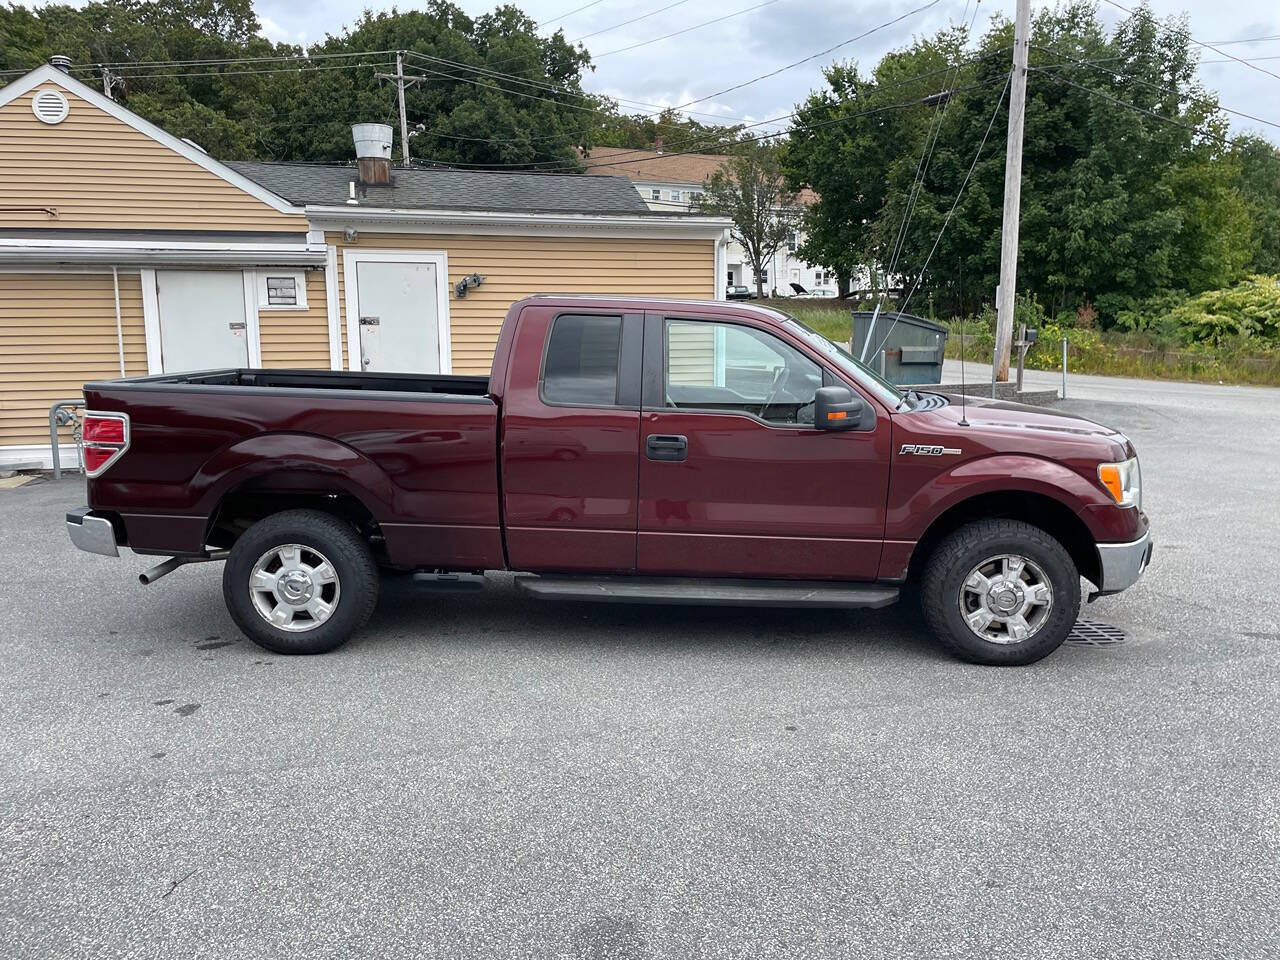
x=294 y=587
x=1006 y=599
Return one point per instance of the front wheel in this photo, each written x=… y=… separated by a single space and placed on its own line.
x=301 y=581
x=1000 y=592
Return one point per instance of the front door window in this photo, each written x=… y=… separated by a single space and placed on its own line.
x=729 y=368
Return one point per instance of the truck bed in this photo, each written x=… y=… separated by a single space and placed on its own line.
x=419 y=451
x=428 y=383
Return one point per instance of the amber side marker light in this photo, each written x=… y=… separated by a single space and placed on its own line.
x=837 y=414
x=1123 y=481
x=1109 y=474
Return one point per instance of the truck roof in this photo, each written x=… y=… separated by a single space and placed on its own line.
x=605 y=300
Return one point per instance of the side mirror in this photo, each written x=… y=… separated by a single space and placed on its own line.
x=839 y=408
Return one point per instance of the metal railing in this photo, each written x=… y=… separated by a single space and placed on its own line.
x=61 y=414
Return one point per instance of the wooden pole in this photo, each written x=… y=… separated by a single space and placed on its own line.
x=1012 y=190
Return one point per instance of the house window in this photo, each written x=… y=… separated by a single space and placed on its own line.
x=695 y=196
x=675 y=195
x=762 y=277
x=282 y=290
x=793 y=241
x=655 y=194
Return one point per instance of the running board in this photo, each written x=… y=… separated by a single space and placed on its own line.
x=687 y=590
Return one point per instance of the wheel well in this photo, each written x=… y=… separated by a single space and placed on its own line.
x=1050 y=515
x=250 y=502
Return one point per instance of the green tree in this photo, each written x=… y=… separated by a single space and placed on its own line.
x=1129 y=187
x=750 y=189
x=1260 y=190
x=302 y=110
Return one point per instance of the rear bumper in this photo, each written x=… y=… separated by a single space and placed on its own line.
x=1121 y=564
x=91 y=533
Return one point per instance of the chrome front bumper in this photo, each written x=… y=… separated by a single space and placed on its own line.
x=92 y=534
x=1121 y=564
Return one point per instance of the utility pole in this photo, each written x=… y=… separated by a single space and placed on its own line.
x=109 y=81
x=1007 y=291
x=401 y=80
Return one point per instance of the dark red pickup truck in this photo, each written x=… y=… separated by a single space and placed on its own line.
x=631 y=450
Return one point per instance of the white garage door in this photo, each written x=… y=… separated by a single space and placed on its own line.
x=202 y=319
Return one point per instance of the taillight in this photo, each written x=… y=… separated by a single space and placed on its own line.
x=106 y=438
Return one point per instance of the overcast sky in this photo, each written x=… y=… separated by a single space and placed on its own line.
x=706 y=60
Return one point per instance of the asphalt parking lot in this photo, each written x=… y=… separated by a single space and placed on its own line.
x=489 y=775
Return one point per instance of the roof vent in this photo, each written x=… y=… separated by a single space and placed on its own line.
x=50 y=106
x=59 y=62
x=373 y=152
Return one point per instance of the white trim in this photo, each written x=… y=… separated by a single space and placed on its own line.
x=151 y=322
x=49 y=74
x=42 y=453
x=249 y=279
x=299 y=278
x=331 y=307
x=136 y=252
x=352 y=258
x=392 y=220
x=115 y=285
x=722 y=269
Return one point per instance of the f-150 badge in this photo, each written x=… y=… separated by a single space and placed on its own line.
x=927 y=450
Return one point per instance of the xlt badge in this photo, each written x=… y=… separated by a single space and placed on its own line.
x=927 y=450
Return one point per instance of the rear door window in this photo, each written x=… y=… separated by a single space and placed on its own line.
x=581 y=362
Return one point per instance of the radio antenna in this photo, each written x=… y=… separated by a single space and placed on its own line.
x=964 y=420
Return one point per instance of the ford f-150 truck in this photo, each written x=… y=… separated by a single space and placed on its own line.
x=653 y=451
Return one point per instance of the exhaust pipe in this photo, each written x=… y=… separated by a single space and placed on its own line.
x=173 y=563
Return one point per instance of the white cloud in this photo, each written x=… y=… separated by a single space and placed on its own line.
x=719 y=56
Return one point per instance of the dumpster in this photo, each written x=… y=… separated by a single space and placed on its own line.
x=903 y=348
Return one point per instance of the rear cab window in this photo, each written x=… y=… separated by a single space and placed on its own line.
x=581 y=364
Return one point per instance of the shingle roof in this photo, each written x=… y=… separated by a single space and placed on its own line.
x=440 y=189
x=656 y=166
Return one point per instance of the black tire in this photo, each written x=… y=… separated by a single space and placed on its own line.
x=355 y=591
x=963 y=550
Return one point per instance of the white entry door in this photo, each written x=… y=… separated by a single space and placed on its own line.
x=399 y=315
x=202 y=319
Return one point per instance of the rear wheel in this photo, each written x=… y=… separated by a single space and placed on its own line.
x=1000 y=592
x=301 y=581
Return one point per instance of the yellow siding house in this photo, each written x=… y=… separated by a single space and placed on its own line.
x=125 y=251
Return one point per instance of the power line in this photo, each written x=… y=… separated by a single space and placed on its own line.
x=560 y=167
x=626 y=23
x=1227 y=43
x=739 y=86
x=947 y=220
x=922 y=167
x=676 y=33
x=1147 y=83
x=815 y=56
x=564 y=16
x=1201 y=43
x=1133 y=106
x=655 y=108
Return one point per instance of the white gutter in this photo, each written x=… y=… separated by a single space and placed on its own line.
x=149 y=252
x=684 y=225
x=115 y=283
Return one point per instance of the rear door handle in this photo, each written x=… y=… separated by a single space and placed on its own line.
x=671 y=447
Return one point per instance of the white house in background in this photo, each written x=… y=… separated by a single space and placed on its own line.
x=672 y=183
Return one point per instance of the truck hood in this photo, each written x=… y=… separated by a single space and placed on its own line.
x=985 y=413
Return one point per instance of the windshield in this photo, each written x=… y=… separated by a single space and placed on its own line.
x=890 y=395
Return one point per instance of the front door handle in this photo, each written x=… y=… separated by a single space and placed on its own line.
x=671 y=447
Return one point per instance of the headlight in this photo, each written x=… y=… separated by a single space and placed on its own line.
x=1123 y=481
